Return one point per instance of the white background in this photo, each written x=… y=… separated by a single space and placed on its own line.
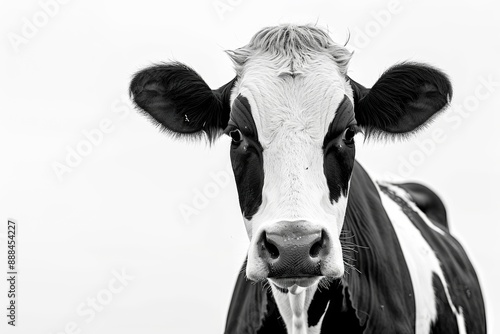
x=119 y=208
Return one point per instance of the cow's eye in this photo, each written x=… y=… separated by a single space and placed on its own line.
x=236 y=136
x=349 y=134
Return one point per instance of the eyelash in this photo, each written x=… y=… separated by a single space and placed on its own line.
x=327 y=145
x=354 y=128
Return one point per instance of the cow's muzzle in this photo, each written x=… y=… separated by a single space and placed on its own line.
x=293 y=250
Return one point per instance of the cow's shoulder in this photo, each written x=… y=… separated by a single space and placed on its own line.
x=377 y=278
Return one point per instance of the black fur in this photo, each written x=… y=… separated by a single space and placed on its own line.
x=246 y=158
x=403 y=99
x=447 y=322
x=380 y=287
x=427 y=201
x=338 y=156
x=176 y=97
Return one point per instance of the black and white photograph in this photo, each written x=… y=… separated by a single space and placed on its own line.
x=249 y=167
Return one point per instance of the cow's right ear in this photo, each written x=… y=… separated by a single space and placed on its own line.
x=178 y=99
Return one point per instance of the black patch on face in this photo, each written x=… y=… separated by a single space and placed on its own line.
x=246 y=157
x=339 y=154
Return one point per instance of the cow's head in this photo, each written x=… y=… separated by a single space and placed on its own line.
x=292 y=114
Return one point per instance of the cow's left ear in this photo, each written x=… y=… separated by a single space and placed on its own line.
x=404 y=98
x=178 y=99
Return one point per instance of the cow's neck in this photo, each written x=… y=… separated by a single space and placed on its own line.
x=293 y=309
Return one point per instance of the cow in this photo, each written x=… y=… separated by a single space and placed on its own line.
x=331 y=249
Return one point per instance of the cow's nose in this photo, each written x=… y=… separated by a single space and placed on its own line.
x=293 y=252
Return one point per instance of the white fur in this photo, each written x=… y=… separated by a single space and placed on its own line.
x=422 y=264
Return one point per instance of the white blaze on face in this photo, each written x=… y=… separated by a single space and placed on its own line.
x=292 y=116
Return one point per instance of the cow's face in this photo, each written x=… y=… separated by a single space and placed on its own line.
x=292 y=126
x=292 y=114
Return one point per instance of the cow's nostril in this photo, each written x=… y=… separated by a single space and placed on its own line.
x=317 y=246
x=314 y=252
x=270 y=247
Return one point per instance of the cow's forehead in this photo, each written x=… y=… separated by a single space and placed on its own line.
x=280 y=102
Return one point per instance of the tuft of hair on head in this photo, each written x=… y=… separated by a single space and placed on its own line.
x=294 y=42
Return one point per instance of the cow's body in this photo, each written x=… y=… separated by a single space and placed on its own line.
x=330 y=250
x=408 y=275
